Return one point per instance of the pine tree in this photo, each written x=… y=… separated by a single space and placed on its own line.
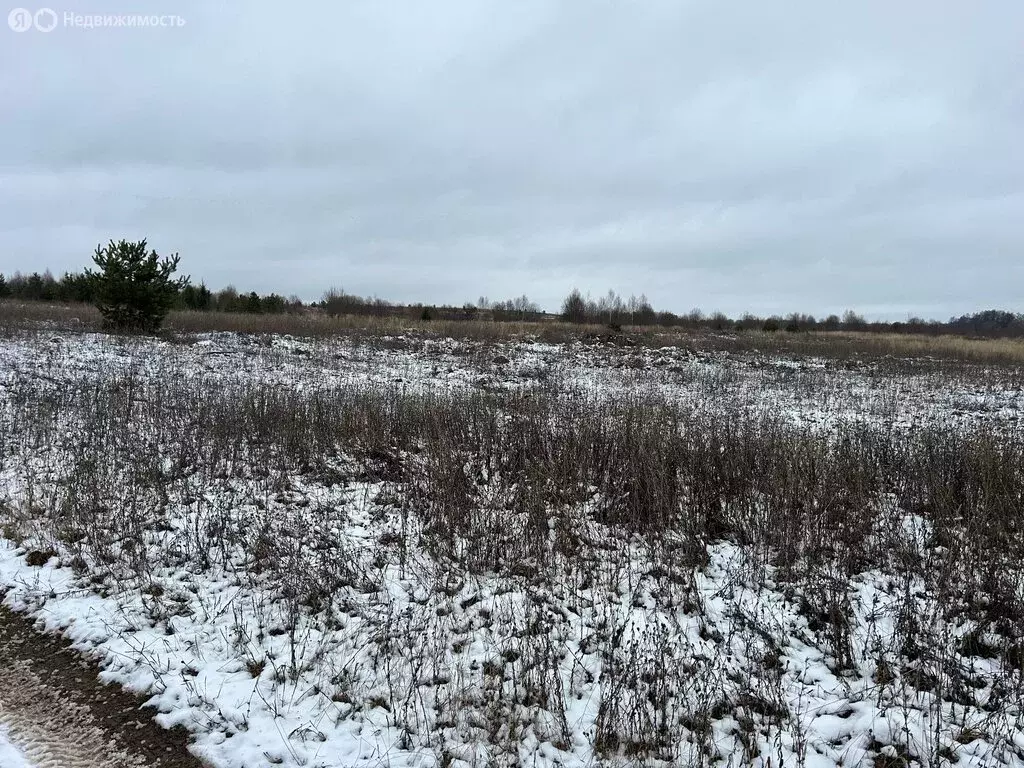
x=134 y=289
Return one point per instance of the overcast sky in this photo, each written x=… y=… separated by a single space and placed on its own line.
x=771 y=157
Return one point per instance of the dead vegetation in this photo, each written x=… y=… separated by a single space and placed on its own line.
x=898 y=349
x=597 y=523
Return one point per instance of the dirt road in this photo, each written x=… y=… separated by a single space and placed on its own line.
x=58 y=714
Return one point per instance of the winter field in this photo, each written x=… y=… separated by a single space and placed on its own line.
x=409 y=551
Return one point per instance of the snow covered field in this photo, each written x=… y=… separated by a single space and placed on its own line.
x=10 y=756
x=444 y=553
x=810 y=390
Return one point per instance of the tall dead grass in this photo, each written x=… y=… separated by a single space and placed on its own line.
x=536 y=489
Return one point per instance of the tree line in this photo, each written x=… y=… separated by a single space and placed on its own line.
x=77 y=287
x=610 y=310
x=615 y=311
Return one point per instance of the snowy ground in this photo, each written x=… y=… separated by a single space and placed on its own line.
x=808 y=391
x=412 y=664
x=11 y=756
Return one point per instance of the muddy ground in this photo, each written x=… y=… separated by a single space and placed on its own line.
x=56 y=710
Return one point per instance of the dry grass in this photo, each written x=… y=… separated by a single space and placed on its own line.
x=314 y=324
x=545 y=488
x=943 y=346
x=38 y=315
x=840 y=344
x=837 y=345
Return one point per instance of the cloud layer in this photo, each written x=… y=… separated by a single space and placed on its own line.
x=766 y=157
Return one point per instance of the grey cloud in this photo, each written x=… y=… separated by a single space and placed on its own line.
x=771 y=157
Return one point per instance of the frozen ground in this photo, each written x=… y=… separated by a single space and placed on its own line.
x=38 y=729
x=413 y=663
x=54 y=713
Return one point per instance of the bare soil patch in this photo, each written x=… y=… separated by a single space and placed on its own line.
x=57 y=710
